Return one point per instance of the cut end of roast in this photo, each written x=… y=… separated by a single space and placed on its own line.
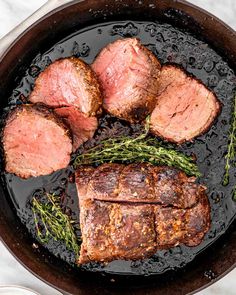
x=129 y=75
x=68 y=82
x=185 y=107
x=35 y=142
x=81 y=126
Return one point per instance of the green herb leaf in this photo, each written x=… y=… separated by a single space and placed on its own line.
x=140 y=149
x=230 y=155
x=234 y=194
x=52 y=222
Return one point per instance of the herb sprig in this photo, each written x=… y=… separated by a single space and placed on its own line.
x=52 y=222
x=230 y=155
x=234 y=194
x=140 y=149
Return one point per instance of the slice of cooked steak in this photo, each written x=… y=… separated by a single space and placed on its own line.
x=35 y=142
x=185 y=107
x=68 y=82
x=116 y=231
x=129 y=74
x=82 y=127
x=140 y=182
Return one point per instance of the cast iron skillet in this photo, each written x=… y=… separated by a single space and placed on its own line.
x=213 y=263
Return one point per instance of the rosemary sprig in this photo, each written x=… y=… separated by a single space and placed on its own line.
x=52 y=222
x=230 y=155
x=140 y=149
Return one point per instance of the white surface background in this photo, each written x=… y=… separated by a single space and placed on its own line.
x=12 y=12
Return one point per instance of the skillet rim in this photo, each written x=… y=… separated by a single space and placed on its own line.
x=5 y=53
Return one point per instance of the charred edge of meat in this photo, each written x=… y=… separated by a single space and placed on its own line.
x=199 y=227
x=91 y=79
x=114 y=221
x=139 y=113
x=114 y=188
x=173 y=225
x=219 y=106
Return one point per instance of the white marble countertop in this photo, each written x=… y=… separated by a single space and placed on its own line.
x=11 y=272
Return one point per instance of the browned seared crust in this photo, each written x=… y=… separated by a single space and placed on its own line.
x=182 y=226
x=113 y=231
x=92 y=85
x=116 y=231
x=140 y=182
x=139 y=110
x=129 y=212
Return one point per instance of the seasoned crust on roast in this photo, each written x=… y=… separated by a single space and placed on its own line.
x=182 y=226
x=130 y=212
x=138 y=182
x=105 y=226
x=28 y=133
x=68 y=82
x=132 y=231
x=185 y=108
x=129 y=74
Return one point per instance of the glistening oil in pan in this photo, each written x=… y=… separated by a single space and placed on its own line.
x=169 y=45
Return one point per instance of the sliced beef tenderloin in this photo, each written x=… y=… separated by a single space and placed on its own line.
x=113 y=231
x=68 y=82
x=35 y=141
x=119 y=230
x=138 y=183
x=129 y=75
x=98 y=183
x=182 y=226
x=129 y=212
x=198 y=221
x=82 y=127
x=185 y=107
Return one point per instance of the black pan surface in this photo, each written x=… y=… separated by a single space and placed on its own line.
x=170 y=45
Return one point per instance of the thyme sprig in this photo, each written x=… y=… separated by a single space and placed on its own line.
x=234 y=194
x=52 y=222
x=230 y=155
x=140 y=149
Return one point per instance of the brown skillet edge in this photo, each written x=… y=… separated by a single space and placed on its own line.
x=220 y=258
